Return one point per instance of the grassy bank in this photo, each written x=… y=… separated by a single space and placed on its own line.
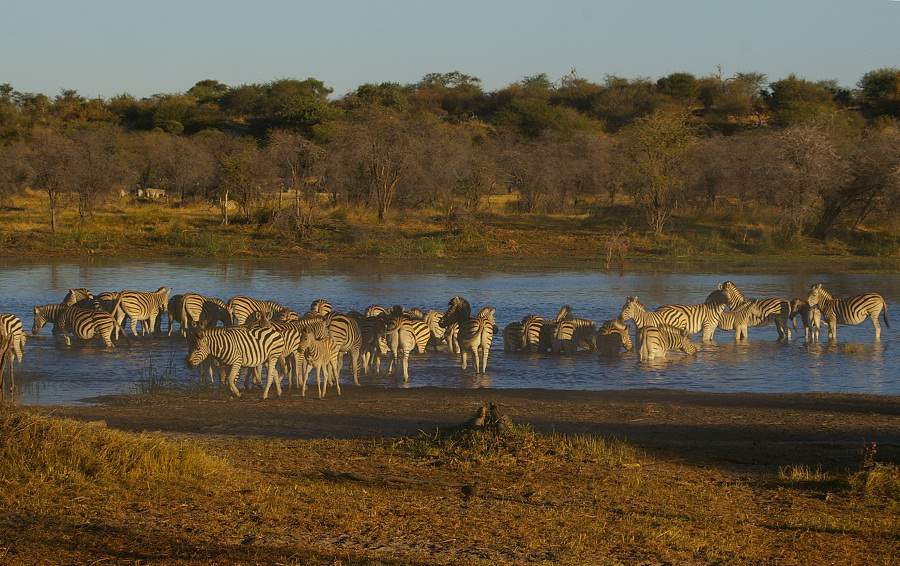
x=150 y=229
x=299 y=481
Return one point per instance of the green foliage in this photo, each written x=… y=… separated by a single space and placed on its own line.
x=881 y=91
x=795 y=101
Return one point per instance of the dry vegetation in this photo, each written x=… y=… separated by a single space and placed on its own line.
x=264 y=483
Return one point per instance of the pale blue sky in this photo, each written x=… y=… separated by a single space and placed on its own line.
x=102 y=47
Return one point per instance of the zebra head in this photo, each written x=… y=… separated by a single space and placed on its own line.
x=564 y=312
x=487 y=314
x=321 y=306
x=375 y=310
x=614 y=328
x=199 y=349
x=41 y=317
x=734 y=296
x=817 y=294
x=632 y=308
x=687 y=346
x=458 y=310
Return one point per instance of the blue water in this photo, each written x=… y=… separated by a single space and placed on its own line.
x=54 y=374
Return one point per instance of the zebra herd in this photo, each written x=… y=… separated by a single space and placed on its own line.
x=248 y=334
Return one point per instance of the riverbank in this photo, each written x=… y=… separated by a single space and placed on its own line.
x=585 y=477
x=591 y=234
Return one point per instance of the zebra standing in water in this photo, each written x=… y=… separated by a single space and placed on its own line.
x=656 y=341
x=143 y=306
x=532 y=327
x=851 y=310
x=403 y=335
x=76 y=295
x=633 y=309
x=344 y=330
x=741 y=319
x=85 y=324
x=811 y=317
x=188 y=309
x=512 y=337
x=240 y=347
x=694 y=318
x=321 y=354
x=11 y=327
x=475 y=334
x=774 y=309
x=570 y=332
x=612 y=337
x=240 y=307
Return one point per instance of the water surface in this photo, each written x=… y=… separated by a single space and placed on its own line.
x=55 y=374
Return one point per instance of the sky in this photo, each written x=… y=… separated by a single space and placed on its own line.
x=104 y=48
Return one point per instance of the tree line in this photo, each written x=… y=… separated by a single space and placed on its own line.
x=816 y=154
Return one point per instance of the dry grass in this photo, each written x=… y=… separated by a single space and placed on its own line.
x=452 y=496
x=36 y=448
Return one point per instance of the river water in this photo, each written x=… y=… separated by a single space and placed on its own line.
x=53 y=373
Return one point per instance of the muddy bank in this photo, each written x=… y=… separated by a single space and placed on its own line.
x=743 y=430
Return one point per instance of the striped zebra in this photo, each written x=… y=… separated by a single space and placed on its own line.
x=321 y=307
x=415 y=312
x=570 y=332
x=85 y=324
x=44 y=314
x=612 y=337
x=240 y=307
x=373 y=341
x=291 y=332
x=143 y=306
x=433 y=320
x=213 y=311
x=188 y=311
x=75 y=295
x=6 y=361
x=851 y=310
x=403 y=335
x=11 y=328
x=695 y=318
x=321 y=354
x=532 y=334
x=811 y=317
x=344 y=330
x=657 y=341
x=741 y=319
x=635 y=310
x=475 y=334
x=512 y=337
x=238 y=347
x=375 y=310
x=774 y=309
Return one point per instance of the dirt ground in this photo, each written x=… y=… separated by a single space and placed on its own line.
x=692 y=478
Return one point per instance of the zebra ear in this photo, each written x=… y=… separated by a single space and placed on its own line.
x=721 y=286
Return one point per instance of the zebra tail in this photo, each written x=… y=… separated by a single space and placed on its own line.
x=884 y=314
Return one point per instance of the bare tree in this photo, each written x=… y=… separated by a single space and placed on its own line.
x=98 y=166
x=296 y=162
x=52 y=160
x=15 y=170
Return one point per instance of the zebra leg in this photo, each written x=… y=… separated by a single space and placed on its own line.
x=354 y=362
x=133 y=327
x=405 y=357
x=484 y=358
x=476 y=359
x=335 y=371
x=875 y=324
x=465 y=359
x=233 y=373
x=832 y=328
x=323 y=387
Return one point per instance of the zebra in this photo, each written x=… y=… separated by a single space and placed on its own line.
x=570 y=332
x=321 y=354
x=811 y=317
x=634 y=310
x=741 y=319
x=85 y=324
x=75 y=295
x=695 y=318
x=6 y=359
x=475 y=334
x=404 y=334
x=375 y=310
x=774 y=309
x=142 y=306
x=433 y=320
x=415 y=313
x=851 y=310
x=187 y=311
x=11 y=327
x=373 y=341
x=512 y=337
x=532 y=341
x=612 y=337
x=44 y=314
x=240 y=307
x=213 y=311
x=321 y=307
x=656 y=341
x=238 y=347
x=291 y=332
x=344 y=330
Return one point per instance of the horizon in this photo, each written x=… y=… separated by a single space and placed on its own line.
x=104 y=51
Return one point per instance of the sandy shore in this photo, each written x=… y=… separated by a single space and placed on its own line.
x=743 y=430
